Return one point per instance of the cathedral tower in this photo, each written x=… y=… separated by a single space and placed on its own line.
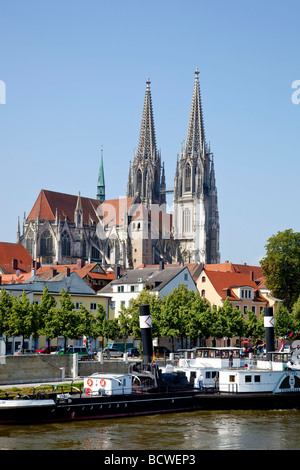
x=195 y=204
x=146 y=179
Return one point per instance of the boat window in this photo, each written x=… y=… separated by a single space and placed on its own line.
x=257 y=378
x=214 y=374
x=232 y=378
x=248 y=378
x=207 y=375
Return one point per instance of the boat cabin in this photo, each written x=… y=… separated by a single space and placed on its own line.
x=211 y=357
x=108 y=384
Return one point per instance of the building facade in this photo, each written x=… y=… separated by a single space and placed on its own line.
x=195 y=203
x=137 y=229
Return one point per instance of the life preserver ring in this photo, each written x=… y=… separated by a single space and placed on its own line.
x=89 y=382
x=88 y=391
x=102 y=383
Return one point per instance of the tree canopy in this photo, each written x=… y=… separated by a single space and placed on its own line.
x=281 y=266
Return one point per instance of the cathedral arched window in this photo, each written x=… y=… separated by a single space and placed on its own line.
x=186 y=220
x=46 y=243
x=188 y=178
x=84 y=248
x=65 y=244
x=29 y=242
x=139 y=182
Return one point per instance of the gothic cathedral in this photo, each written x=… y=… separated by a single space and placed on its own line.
x=136 y=230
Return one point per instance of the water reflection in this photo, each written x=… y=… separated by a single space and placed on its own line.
x=213 y=430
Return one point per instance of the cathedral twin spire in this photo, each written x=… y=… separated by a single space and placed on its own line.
x=146 y=180
x=195 y=140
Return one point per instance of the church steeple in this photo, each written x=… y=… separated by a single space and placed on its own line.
x=195 y=203
x=147 y=141
x=145 y=178
x=195 y=140
x=101 y=182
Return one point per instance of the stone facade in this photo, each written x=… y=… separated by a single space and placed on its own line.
x=137 y=229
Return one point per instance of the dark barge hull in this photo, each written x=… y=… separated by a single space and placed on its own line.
x=77 y=408
x=248 y=401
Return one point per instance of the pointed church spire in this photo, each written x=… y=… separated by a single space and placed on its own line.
x=101 y=182
x=78 y=215
x=144 y=180
x=195 y=140
x=147 y=141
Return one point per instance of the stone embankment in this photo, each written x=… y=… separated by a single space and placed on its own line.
x=52 y=368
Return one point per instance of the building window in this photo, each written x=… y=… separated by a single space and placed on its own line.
x=120 y=288
x=245 y=309
x=185 y=277
x=254 y=309
x=188 y=178
x=46 y=243
x=29 y=242
x=139 y=182
x=93 y=306
x=186 y=220
x=77 y=305
x=65 y=244
x=203 y=279
x=203 y=293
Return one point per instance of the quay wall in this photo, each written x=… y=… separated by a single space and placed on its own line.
x=52 y=368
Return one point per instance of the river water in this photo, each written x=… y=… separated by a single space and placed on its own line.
x=213 y=430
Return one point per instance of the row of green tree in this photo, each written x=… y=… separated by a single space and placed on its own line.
x=182 y=314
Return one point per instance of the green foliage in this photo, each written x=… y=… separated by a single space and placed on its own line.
x=66 y=320
x=6 y=301
x=176 y=313
x=296 y=316
x=281 y=266
x=132 y=313
x=284 y=321
x=254 y=326
x=24 y=318
x=199 y=320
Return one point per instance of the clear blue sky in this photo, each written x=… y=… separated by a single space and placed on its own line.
x=75 y=76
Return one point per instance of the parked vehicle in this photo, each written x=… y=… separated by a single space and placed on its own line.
x=49 y=350
x=80 y=350
x=120 y=346
x=23 y=352
x=112 y=352
x=133 y=352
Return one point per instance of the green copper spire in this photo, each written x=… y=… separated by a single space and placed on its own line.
x=101 y=182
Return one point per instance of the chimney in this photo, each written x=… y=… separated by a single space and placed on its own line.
x=161 y=265
x=80 y=263
x=14 y=263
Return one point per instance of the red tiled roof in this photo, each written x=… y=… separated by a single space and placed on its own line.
x=13 y=278
x=48 y=202
x=14 y=251
x=224 y=282
x=235 y=268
